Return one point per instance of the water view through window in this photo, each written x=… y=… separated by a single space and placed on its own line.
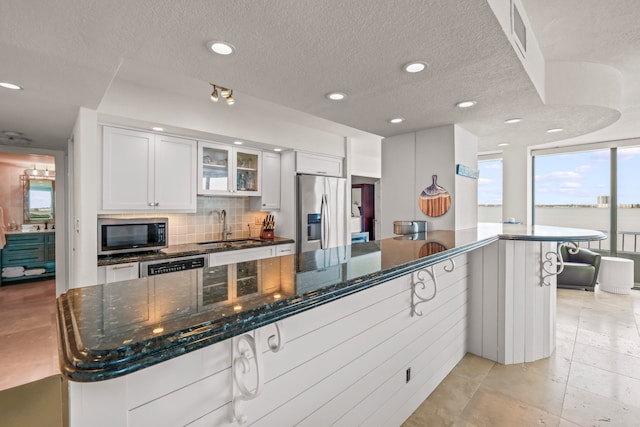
x=572 y=190
x=490 y=191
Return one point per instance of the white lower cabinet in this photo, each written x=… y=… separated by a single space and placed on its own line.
x=118 y=272
x=342 y=363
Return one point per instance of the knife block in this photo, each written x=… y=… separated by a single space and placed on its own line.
x=266 y=234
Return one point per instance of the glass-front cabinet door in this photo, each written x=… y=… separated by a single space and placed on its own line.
x=216 y=286
x=214 y=168
x=248 y=171
x=229 y=171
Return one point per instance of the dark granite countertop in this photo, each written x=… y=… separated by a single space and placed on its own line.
x=188 y=249
x=111 y=330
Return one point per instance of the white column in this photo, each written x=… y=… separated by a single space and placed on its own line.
x=83 y=230
x=516 y=184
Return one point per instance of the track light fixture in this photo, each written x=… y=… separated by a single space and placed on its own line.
x=227 y=94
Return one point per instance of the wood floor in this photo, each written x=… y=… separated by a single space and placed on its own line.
x=28 y=340
x=592 y=379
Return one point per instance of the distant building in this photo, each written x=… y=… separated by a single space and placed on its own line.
x=603 y=202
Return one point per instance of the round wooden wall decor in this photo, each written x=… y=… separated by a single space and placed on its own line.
x=434 y=200
x=431 y=248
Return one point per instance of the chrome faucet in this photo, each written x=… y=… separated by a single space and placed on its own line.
x=222 y=215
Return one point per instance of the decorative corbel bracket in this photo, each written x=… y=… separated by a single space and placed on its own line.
x=419 y=282
x=546 y=263
x=247 y=366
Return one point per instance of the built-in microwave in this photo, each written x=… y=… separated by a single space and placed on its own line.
x=127 y=235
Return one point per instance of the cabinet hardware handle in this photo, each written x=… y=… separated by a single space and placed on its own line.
x=264 y=204
x=122 y=267
x=285 y=250
x=150 y=204
x=156 y=204
x=322 y=172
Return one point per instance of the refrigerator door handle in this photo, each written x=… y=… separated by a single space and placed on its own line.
x=324 y=222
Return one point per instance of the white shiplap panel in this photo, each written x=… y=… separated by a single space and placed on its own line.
x=384 y=400
x=476 y=293
x=343 y=365
x=521 y=294
x=342 y=391
x=492 y=277
x=184 y=405
x=143 y=386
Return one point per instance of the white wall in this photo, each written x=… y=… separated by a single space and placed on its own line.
x=409 y=162
x=435 y=155
x=366 y=152
x=397 y=188
x=466 y=153
x=84 y=231
x=516 y=184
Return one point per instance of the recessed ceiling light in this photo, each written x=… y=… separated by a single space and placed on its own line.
x=512 y=121
x=554 y=130
x=158 y=129
x=504 y=144
x=221 y=48
x=336 y=96
x=414 y=67
x=466 y=104
x=277 y=149
x=396 y=120
x=237 y=142
x=11 y=86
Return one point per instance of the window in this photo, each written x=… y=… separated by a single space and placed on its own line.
x=490 y=191
x=628 y=201
x=572 y=190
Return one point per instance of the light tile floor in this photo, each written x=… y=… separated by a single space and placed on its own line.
x=592 y=379
x=28 y=337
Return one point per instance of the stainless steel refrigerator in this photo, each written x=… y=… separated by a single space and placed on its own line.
x=322 y=212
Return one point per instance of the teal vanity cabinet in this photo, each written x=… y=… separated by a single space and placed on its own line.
x=33 y=252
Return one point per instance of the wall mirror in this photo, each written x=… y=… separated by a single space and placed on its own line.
x=38 y=188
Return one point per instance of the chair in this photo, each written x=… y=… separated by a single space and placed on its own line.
x=580 y=269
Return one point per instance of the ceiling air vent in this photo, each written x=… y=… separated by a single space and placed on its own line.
x=518 y=29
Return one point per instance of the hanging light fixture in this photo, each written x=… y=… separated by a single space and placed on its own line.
x=226 y=93
x=214 y=94
x=40 y=173
x=229 y=98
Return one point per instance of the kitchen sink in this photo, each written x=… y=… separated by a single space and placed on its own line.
x=229 y=243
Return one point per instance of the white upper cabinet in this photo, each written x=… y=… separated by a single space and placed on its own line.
x=270 y=198
x=318 y=164
x=142 y=171
x=225 y=170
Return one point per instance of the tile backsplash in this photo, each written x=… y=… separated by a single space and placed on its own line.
x=204 y=225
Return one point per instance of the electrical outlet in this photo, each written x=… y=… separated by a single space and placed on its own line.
x=408 y=375
x=257 y=220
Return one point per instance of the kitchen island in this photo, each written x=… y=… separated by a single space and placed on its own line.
x=316 y=342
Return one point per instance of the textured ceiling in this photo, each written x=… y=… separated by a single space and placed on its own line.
x=292 y=52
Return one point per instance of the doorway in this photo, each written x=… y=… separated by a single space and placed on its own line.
x=27 y=215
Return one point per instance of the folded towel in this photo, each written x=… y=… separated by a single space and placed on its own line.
x=19 y=269
x=34 y=271
x=11 y=274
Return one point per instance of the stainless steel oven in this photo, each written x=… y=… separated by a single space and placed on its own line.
x=128 y=235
